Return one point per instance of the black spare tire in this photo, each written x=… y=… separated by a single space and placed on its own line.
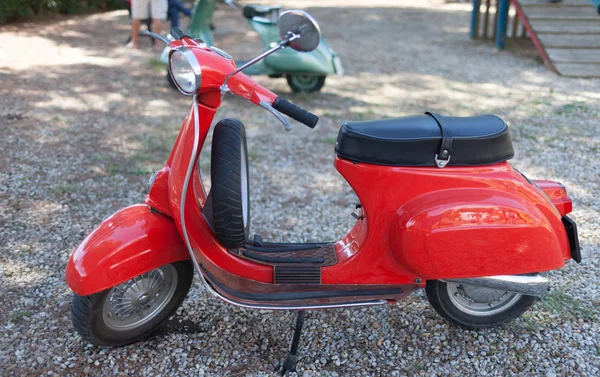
x=230 y=185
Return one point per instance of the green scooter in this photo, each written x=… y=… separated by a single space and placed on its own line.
x=304 y=72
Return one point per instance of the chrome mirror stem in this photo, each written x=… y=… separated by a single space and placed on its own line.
x=280 y=46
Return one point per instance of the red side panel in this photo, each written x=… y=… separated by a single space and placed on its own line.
x=430 y=223
x=460 y=233
x=129 y=243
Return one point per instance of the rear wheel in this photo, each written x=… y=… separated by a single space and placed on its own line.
x=470 y=306
x=305 y=83
x=230 y=185
x=132 y=310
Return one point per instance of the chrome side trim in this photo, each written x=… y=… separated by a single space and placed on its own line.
x=302 y=307
x=184 y=193
x=531 y=285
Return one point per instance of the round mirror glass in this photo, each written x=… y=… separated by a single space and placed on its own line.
x=302 y=24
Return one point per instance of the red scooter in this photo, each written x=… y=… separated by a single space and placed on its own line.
x=440 y=208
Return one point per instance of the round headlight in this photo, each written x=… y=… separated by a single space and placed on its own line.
x=185 y=71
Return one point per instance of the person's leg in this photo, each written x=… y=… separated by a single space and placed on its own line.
x=178 y=6
x=135 y=32
x=157 y=25
x=159 y=13
x=174 y=16
x=139 y=12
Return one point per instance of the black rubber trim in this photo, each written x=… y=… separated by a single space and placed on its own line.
x=177 y=33
x=295 y=112
x=263 y=258
x=289 y=296
x=297 y=274
x=571 y=229
x=280 y=248
x=308 y=245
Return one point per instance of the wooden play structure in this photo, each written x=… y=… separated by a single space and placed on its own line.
x=566 y=34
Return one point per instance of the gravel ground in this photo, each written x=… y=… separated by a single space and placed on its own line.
x=84 y=121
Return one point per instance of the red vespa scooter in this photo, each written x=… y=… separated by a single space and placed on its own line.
x=440 y=208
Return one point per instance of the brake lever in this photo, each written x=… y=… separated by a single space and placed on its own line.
x=267 y=106
x=155 y=36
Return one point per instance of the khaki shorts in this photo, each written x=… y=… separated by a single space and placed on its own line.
x=142 y=9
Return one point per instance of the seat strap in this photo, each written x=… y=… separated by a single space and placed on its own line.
x=442 y=158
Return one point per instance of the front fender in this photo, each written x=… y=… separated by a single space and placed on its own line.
x=127 y=244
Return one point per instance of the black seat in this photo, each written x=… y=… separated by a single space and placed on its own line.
x=266 y=11
x=416 y=140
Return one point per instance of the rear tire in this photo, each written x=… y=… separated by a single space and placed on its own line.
x=230 y=183
x=474 y=307
x=133 y=310
x=305 y=83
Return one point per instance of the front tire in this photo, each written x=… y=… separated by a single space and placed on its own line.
x=230 y=184
x=132 y=310
x=305 y=83
x=474 y=307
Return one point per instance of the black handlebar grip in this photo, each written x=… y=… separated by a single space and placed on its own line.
x=295 y=112
x=177 y=33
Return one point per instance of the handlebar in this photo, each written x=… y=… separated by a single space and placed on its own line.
x=177 y=33
x=161 y=38
x=295 y=112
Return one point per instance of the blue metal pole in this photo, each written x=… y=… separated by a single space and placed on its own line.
x=502 y=23
x=475 y=19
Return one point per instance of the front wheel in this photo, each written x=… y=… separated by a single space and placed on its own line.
x=474 y=307
x=305 y=83
x=132 y=310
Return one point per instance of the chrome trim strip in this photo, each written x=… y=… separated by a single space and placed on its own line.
x=305 y=307
x=531 y=285
x=184 y=193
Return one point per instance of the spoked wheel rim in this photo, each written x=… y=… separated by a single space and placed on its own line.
x=480 y=301
x=137 y=301
x=244 y=184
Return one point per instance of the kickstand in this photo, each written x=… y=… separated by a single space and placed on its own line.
x=290 y=362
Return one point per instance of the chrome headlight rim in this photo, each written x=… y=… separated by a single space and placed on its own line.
x=194 y=65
